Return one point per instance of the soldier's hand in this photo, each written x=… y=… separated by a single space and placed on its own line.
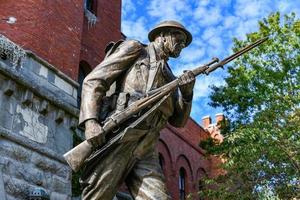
x=186 y=84
x=93 y=132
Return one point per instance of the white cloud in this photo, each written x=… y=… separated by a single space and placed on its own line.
x=128 y=7
x=209 y=33
x=246 y=26
x=208 y=16
x=192 y=54
x=253 y=9
x=289 y=6
x=172 y=9
x=217 y=47
x=135 y=29
x=203 y=3
x=230 y=22
x=200 y=108
x=202 y=85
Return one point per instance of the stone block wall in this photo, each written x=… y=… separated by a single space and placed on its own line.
x=38 y=117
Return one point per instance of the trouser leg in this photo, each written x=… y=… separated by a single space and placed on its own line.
x=104 y=181
x=146 y=180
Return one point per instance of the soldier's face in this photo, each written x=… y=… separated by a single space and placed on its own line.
x=178 y=39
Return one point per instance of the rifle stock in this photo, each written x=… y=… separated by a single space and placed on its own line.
x=77 y=156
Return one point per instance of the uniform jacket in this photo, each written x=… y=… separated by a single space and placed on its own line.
x=136 y=70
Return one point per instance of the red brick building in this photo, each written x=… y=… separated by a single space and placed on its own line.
x=184 y=163
x=71 y=36
x=59 y=32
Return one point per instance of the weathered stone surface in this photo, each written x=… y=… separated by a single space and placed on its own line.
x=73 y=123
x=16 y=187
x=9 y=197
x=32 y=65
x=29 y=124
x=9 y=87
x=20 y=153
x=41 y=86
x=45 y=164
x=7 y=110
x=43 y=71
x=37 y=106
x=51 y=76
x=63 y=141
x=57 y=196
x=75 y=93
x=62 y=84
x=43 y=109
x=27 y=97
x=2 y=190
x=60 y=185
x=59 y=116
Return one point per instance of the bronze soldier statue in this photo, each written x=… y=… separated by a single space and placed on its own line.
x=122 y=129
x=136 y=69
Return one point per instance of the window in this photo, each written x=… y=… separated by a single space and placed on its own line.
x=90 y=11
x=161 y=161
x=182 y=182
x=91 y=5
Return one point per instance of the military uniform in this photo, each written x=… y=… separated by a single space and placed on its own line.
x=136 y=69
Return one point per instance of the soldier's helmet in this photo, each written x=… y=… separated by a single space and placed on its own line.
x=167 y=25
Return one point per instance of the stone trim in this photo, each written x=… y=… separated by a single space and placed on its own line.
x=51 y=76
x=41 y=88
x=51 y=67
x=25 y=142
x=19 y=58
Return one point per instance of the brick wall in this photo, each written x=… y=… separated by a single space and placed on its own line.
x=58 y=32
x=193 y=132
x=179 y=149
x=51 y=29
x=108 y=28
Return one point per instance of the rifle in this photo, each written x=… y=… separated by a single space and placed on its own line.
x=77 y=156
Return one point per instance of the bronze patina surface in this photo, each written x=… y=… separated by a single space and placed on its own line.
x=122 y=129
x=136 y=69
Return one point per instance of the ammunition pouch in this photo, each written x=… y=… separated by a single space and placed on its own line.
x=108 y=104
x=114 y=103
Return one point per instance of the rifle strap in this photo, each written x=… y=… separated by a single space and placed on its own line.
x=153 y=66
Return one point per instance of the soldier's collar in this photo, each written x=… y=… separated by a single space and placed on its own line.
x=158 y=52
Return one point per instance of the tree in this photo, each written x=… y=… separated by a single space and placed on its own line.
x=261 y=98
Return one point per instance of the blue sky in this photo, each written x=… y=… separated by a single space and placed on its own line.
x=213 y=24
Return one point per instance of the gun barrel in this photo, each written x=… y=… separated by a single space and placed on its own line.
x=203 y=68
x=243 y=50
x=235 y=55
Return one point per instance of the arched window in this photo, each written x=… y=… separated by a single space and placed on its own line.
x=84 y=70
x=182 y=183
x=161 y=160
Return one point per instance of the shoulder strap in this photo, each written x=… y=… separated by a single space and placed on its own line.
x=153 y=67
